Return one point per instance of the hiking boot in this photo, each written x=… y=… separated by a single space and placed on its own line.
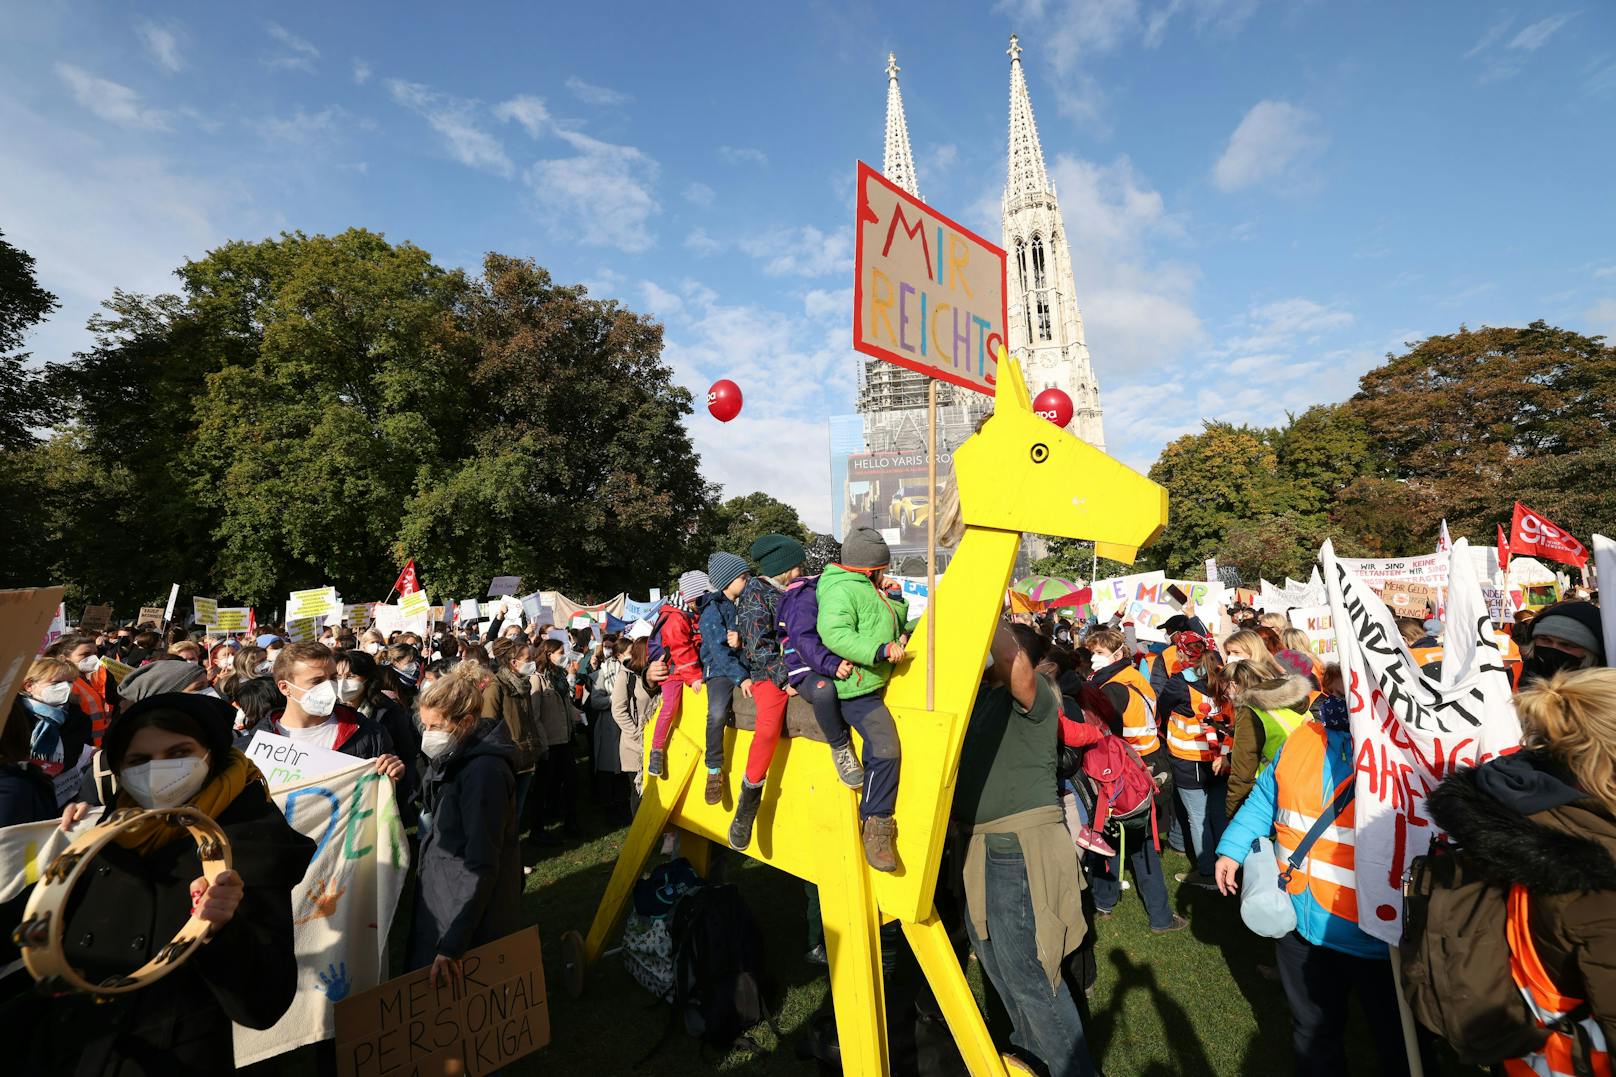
x=880 y=833
x=715 y=787
x=1178 y=923
x=847 y=766
x=657 y=765
x=746 y=809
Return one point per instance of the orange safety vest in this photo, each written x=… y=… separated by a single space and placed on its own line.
x=1139 y=720
x=1548 y=1006
x=1188 y=735
x=1327 y=872
x=90 y=693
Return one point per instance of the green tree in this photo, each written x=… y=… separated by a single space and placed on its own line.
x=23 y=305
x=1284 y=544
x=1073 y=559
x=735 y=524
x=1214 y=480
x=1319 y=453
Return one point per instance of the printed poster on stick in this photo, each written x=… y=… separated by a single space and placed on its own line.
x=408 y=1026
x=150 y=615
x=1410 y=730
x=95 y=618
x=205 y=611
x=928 y=294
x=233 y=618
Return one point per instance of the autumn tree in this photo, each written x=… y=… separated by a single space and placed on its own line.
x=735 y=524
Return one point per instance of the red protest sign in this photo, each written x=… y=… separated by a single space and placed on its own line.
x=1532 y=535
x=928 y=293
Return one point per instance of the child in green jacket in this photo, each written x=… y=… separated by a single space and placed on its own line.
x=859 y=623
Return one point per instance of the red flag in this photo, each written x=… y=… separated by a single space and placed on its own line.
x=1503 y=551
x=407 y=583
x=1530 y=533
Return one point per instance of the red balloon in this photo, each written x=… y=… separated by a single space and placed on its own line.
x=724 y=400
x=1054 y=405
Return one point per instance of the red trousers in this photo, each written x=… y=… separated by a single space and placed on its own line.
x=771 y=717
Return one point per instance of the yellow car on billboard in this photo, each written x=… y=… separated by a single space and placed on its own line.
x=910 y=508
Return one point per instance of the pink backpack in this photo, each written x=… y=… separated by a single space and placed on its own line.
x=1122 y=783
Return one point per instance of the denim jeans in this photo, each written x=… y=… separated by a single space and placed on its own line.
x=1105 y=874
x=870 y=716
x=1045 y=1022
x=1204 y=813
x=719 y=691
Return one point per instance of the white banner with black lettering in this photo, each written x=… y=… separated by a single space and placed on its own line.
x=1409 y=731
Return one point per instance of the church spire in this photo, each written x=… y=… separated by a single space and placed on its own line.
x=1026 y=176
x=898 y=165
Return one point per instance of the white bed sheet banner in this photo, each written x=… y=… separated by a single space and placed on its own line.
x=1409 y=731
x=342 y=910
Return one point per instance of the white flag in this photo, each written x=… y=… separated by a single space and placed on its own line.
x=1605 y=576
x=1410 y=731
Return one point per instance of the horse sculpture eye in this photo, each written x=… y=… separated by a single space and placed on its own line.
x=1040 y=453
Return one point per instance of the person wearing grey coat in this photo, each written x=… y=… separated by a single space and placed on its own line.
x=631 y=709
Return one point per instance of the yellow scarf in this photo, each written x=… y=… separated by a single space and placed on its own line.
x=213 y=798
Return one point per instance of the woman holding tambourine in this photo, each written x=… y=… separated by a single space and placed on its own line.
x=147 y=888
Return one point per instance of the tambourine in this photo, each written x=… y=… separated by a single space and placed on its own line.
x=44 y=921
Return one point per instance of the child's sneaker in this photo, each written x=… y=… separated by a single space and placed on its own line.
x=847 y=766
x=657 y=766
x=1092 y=840
x=715 y=787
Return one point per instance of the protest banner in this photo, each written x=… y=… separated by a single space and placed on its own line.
x=1532 y=535
x=66 y=782
x=1406 y=598
x=1409 y=730
x=1112 y=595
x=1431 y=569
x=283 y=761
x=343 y=909
x=168 y=610
x=1316 y=623
x=415 y=606
x=205 y=611
x=357 y=614
x=304 y=629
x=468 y=611
x=504 y=585
x=928 y=293
x=234 y=619
x=116 y=670
x=389 y=619
x=314 y=602
x=95 y=618
x=533 y=606
x=25 y=617
x=1605 y=570
x=150 y=616
x=916 y=595
x=642 y=611
x=409 y=1026
x=1212 y=571
x=55 y=631
x=564 y=608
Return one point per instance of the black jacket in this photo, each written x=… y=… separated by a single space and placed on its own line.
x=127 y=909
x=26 y=795
x=469 y=889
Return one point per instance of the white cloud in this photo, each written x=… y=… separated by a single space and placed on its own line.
x=939 y=161
x=802 y=252
x=111 y=101
x=699 y=241
x=590 y=94
x=527 y=110
x=699 y=194
x=295 y=52
x=361 y=72
x=1602 y=318
x=1274 y=145
x=1495 y=33
x=1537 y=35
x=603 y=196
x=455 y=121
x=1601 y=272
x=737 y=155
x=162 y=41
x=828 y=303
x=304 y=128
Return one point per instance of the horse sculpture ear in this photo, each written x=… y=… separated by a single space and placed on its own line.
x=1012 y=387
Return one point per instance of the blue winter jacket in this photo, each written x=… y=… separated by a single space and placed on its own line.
x=1255 y=819
x=805 y=653
x=718 y=658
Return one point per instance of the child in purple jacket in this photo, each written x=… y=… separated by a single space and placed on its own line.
x=812 y=670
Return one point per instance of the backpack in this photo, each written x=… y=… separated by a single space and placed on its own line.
x=655 y=649
x=720 y=985
x=1122 y=783
x=1455 y=959
x=647 y=943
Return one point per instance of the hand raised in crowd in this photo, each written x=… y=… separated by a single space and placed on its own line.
x=1224 y=873
x=390 y=765
x=844 y=671
x=216 y=902
x=73 y=813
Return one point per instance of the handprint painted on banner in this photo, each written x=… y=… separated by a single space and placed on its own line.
x=323 y=898
x=334 y=982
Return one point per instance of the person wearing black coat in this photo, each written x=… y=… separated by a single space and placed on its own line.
x=469 y=886
x=138 y=895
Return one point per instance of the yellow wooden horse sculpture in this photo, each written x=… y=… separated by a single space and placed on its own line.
x=1020 y=473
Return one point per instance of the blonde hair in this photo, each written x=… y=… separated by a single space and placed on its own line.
x=1276 y=621
x=950 y=521
x=48 y=669
x=458 y=694
x=1572 y=716
x=1257 y=653
x=1296 y=640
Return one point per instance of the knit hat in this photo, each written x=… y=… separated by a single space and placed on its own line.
x=1574 y=622
x=159 y=678
x=692 y=585
x=865 y=548
x=724 y=569
x=777 y=554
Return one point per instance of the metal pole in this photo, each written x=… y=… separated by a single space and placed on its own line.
x=1094 y=564
x=931 y=544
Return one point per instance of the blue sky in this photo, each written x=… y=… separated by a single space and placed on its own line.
x=1262 y=199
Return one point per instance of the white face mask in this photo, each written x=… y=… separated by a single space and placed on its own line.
x=241 y=719
x=53 y=695
x=262 y=669
x=436 y=743
x=165 y=783
x=1233 y=659
x=89 y=665
x=319 y=701
x=527 y=669
x=372 y=648
x=210 y=691
x=351 y=687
